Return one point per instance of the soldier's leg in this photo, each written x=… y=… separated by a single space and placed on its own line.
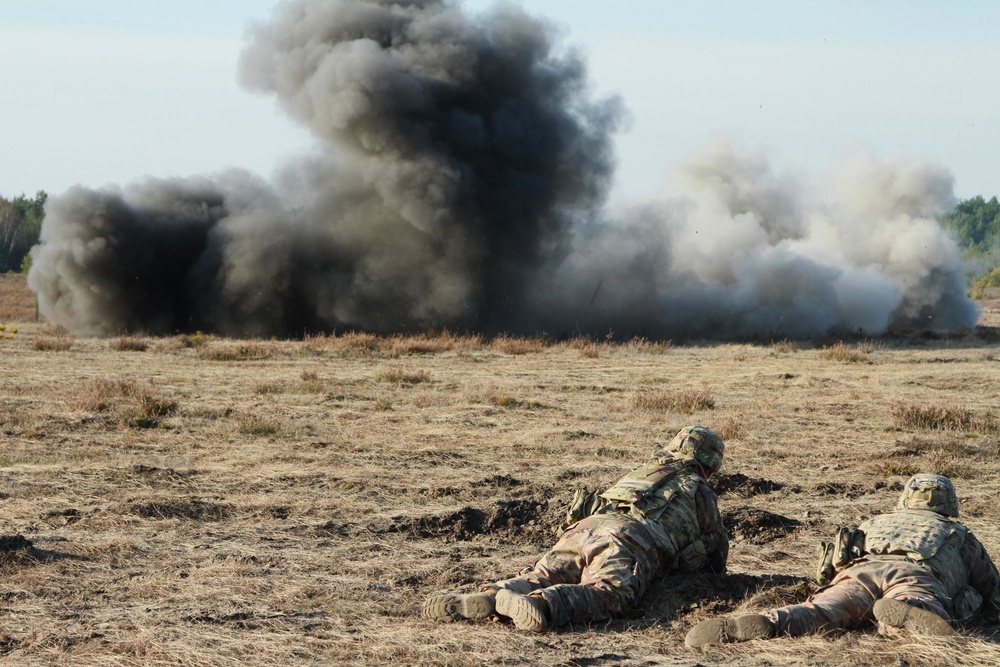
x=619 y=562
x=913 y=599
x=844 y=604
x=560 y=564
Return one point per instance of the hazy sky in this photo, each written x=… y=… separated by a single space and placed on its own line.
x=109 y=91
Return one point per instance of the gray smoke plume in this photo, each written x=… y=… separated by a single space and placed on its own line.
x=462 y=185
x=737 y=251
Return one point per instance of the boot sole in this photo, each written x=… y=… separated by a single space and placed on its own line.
x=727 y=630
x=919 y=621
x=522 y=610
x=456 y=607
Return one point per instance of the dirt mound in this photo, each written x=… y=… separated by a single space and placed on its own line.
x=502 y=481
x=743 y=486
x=757 y=526
x=198 y=510
x=708 y=595
x=853 y=490
x=511 y=517
x=10 y=543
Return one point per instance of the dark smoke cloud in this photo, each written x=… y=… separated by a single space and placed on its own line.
x=462 y=184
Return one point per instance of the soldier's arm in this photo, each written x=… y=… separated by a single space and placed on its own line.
x=713 y=531
x=983 y=574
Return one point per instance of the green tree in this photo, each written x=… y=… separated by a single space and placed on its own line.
x=20 y=227
x=976 y=224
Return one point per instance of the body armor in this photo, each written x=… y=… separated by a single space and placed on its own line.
x=662 y=494
x=920 y=536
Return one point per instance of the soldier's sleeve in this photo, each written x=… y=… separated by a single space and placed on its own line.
x=713 y=531
x=983 y=574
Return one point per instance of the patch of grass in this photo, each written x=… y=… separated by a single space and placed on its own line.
x=943 y=418
x=427 y=344
x=730 y=428
x=236 y=352
x=502 y=400
x=513 y=345
x=645 y=346
x=784 y=347
x=841 y=351
x=154 y=407
x=128 y=344
x=264 y=388
x=136 y=403
x=258 y=425
x=688 y=402
x=891 y=468
x=101 y=394
x=400 y=375
x=587 y=347
x=47 y=344
x=357 y=343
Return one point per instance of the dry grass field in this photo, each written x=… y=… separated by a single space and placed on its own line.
x=202 y=501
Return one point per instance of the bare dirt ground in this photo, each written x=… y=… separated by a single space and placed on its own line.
x=201 y=501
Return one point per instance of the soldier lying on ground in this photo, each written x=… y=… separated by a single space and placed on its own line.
x=660 y=518
x=915 y=568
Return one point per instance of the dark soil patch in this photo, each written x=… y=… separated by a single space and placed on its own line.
x=500 y=481
x=757 y=526
x=843 y=489
x=515 y=518
x=11 y=543
x=743 y=486
x=197 y=510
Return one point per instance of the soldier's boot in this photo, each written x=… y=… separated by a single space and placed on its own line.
x=898 y=614
x=731 y=629
x=456 y=606
x=528 y=612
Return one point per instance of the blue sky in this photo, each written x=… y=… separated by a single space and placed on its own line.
x=110 y=91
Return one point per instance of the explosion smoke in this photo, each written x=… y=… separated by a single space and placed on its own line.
x=462 y=186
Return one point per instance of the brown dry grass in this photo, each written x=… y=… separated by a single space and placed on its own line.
x=291 y=503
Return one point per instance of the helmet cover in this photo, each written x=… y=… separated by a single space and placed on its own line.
x=935 y=493
x=701 y=444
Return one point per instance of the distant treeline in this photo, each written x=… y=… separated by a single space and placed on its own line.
x=20 y=225
x=975 y=224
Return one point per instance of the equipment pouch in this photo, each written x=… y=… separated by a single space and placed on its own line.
x=825 y=571
x=692 y=558
x=584 y=504
x=967 y=602
x=850 y=545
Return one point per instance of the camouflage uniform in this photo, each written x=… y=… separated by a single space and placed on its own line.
x=918 y=557
x=661 y=517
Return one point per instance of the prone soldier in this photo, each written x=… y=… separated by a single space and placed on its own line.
x=916 y=568
x=662 y=517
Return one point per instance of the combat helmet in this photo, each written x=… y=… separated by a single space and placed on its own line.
x=929 y=492
x=699 y=443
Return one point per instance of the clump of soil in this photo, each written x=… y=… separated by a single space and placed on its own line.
x=743 y=486
x=12 y=543
x=198 y=510
x=506 y=517
x=757 y=526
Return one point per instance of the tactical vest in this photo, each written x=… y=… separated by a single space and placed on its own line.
x=661 y=494
x=921 y=536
